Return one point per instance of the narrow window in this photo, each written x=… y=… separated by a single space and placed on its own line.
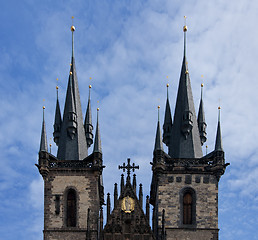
x=187 y=208
x=71 y=208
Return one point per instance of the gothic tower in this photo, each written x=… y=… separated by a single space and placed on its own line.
x=73 y=188
x=184 y=187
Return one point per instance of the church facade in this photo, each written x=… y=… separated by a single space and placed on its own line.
x=183 y=190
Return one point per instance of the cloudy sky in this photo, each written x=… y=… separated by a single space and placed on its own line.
x=131 y=50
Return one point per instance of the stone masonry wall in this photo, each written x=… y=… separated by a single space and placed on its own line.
x=85 y=183
x=206 y=190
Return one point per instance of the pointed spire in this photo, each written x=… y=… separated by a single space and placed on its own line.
x=201 y=120
x=167 y=122
x=108 y=207
x=72 y=146
x=97 y=140
x=134 y=182
x=43 y=141
x=218 y=144
x=115 y=194
x=185 y=139
x=140 y=195
x=122 y=184
x=58 y=120
x=88 y=123
x=158 y=140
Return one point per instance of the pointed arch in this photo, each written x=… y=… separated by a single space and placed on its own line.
x=188 y=207
x=71 y=208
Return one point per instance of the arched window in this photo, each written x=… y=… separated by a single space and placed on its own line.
x=71 y=208
x=187 y=208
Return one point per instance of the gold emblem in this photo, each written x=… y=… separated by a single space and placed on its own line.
x=127 y=204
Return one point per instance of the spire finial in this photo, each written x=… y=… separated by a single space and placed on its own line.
x=202 y=86
x=185 y=30
x=158 y=112
x=218 y=143
x=219 y=108
x=89 y=90
x=167 y=87
x=57 y=88
x=72 y=30
x=43 y=141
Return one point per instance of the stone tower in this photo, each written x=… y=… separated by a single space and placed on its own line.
x=184 y=188
x=73 y=188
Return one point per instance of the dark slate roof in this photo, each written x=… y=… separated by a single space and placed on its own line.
x=97 y=140
x=43 y=140
x=182 y=146
x=201 y=120
x=218 y=143
x=88 y=123
x=75 y=148
x=58 y=118
x=167 y=122
x=158 y=140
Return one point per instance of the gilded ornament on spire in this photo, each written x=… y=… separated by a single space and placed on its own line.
x=185 y=27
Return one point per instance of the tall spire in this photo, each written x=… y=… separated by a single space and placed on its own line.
x=185 y=139
x=201 y=120
x=158 y=140
x=218 y=144
x=58 y=120
x=43 y=141
x=88 y=123
x=72 y=142
x=167 y=122
x=97 y=140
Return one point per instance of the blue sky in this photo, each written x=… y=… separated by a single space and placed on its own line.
x=128 y=48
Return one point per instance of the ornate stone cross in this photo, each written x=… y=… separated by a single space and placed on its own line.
x=128 y=167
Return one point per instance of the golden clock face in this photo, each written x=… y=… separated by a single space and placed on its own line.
x=127 y=204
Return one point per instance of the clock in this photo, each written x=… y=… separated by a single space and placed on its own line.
x=127 y=204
